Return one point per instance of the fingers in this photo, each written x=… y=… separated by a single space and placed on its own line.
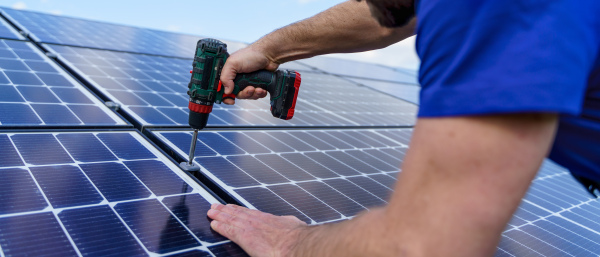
x=252 y=93
x=225 y=229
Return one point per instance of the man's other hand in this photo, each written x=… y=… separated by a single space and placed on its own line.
x=258 y=233
x=245 y=60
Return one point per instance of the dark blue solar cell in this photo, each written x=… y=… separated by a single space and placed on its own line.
x=270 y=142
x=175 y=114
x=183 y=141
x=15 y=114
x=265 y=200
x=372 y=186
x=115 y=181
x=127 y=98
x=91 y=114
x=306 y=203
x=355 y=193
x=18 y=192
x=40 y=149
x=583 y=218
x=71 y=95
x=125 y=146
x=65 y=186
x=372 y=161
x=158 y=177
x=194 y=253
x=333 y=198
x=109 y=83
x=28 y=54
x=557 y=241
x=313 y=141
x=191 y=211
x=384 y=179
x=565 y=229
x=227 y=249
x=9 y=154
x=7 y=54
x=38 y=94
x=213 y=120
x=132 y=85
x=285 y=168
x=219 y=144
x=228 y=117
x=349 y=140
x=40 y=66
x=309 y=165
x=85 y=147
x=3 y=79
x=8 y=64
x=158 y=230
x=291 y=141
x=153 y=99
x=515 y=248
x=23 y=78
x=247 y=144
x=55 y=114
x=257 y=170
x=151 y=115
x=34 y=235
x=226 y=172
x=97 y=231
x=352 y=162
x=178 y=100
x=332 y=164
x=540 y=246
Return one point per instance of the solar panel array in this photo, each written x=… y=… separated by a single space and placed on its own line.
x=100 y=193
x=35 y=91
x=153 y=90
x=106 y=192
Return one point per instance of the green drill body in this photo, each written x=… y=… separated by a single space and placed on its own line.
x=205 y=87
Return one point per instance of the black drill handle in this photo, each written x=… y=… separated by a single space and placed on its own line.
x=264 y=79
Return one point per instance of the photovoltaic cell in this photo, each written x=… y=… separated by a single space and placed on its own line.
x=48 y=28
x=82 y=194
x=36 y=92
x=407 y=91
x=153 y=90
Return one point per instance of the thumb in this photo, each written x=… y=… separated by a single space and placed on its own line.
x=227 y=75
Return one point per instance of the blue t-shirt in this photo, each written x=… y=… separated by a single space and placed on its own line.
x=492 y=57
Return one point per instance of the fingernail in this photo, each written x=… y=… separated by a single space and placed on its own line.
x=211 y=212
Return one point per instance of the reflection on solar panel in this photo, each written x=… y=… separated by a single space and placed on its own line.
x=360 y=69
x=98 y=193
x=6 y=31
x=153 y=90
x=408 y=92
x=78 y=32
x=328 y=175
x=34 y=91
x=317 y=175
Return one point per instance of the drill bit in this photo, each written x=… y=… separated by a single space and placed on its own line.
x=190 y=166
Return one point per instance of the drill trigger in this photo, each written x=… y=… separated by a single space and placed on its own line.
x=225 y=96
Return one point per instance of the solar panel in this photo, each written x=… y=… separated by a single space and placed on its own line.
x=408 y=92
x=317 y=175
x=99 y=193
x=36 y=92
x=357 y=69
x=324 y=176
x=6 y=31
x=153 y=90
x=54 y=29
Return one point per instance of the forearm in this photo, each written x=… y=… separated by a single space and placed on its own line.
x=346 y=27
x=458 y=189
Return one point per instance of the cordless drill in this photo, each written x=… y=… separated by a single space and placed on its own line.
x=205 y=88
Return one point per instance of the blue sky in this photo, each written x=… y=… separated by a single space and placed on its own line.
x=236 y=20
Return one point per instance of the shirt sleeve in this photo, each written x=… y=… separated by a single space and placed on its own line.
x=486 y=57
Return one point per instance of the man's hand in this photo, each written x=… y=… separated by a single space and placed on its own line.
x=258 y=233
x=246 y=60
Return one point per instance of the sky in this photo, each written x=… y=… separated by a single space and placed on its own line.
x=236 y=20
